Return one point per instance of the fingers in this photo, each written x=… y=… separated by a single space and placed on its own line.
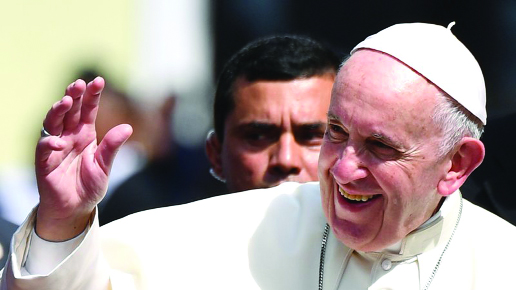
x=110 y=145
x=53 y=122
x=65 y=116
x=90 y=102
x=65 y=113
x=80 y=103
x=75 y=90
x=44 y=149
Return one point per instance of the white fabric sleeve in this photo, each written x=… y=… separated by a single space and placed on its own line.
x=44 y=256
x=80 y=263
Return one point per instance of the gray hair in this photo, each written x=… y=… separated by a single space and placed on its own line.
x=455 y=123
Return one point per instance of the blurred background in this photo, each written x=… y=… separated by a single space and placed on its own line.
x=164 y=55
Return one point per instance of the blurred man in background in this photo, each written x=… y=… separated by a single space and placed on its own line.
x=269 y=115
x=270 y=112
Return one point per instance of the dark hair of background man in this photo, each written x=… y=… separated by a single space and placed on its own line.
x=277 y=58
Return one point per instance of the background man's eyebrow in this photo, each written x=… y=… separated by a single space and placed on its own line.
x=257 y=125
x=313 y=126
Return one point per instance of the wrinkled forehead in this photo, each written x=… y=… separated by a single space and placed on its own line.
x=376 y=91
x=373 y=74
x=371 y=63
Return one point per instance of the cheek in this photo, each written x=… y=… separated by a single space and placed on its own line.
x=311 y=162
x=405 y=188
x=327 y=158
x=243 y=171
x=236 y=156
x=247 y=164
x=392 y=176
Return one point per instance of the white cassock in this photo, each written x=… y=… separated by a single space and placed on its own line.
x=264 y=239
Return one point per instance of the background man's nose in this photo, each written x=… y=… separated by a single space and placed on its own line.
x=286 y=156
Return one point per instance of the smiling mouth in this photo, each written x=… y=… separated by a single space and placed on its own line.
x=356 y=198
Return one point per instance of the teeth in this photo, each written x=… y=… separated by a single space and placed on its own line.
x=354 y=197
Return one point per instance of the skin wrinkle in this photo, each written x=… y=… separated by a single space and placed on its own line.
x=274 y=132
x=385 y=105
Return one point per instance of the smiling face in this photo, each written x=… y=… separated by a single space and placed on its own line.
x=274 y=133
x=378 y=167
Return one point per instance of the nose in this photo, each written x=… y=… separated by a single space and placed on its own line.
x=286 y=157
x=349 y=167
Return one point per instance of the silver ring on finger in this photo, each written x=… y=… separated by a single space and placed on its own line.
x=44 y=133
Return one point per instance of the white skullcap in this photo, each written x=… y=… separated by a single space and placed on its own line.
x=434 y=52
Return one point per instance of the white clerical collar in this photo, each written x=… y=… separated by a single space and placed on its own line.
x=443 y=212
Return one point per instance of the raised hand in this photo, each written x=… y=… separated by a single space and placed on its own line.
x=72 y=171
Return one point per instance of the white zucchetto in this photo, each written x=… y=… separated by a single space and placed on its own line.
x=434 y=52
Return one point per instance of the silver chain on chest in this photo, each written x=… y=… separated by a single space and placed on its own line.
x=325 y=241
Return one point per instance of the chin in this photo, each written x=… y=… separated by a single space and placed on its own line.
x=360 y=238
x=351 y=237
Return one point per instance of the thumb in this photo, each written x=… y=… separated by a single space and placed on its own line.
x=110 y=144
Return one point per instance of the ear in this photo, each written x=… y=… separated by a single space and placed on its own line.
x=467 y=157
x=214 y=153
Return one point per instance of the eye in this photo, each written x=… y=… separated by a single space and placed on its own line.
x=259 y=137
x=310 y=135
x=383 y=150
x=336 y=133
x=254 y=136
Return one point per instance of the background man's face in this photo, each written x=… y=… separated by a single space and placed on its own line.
x=380 y=148
x=275 y=131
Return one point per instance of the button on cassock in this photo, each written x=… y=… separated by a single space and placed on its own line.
x=386 y=264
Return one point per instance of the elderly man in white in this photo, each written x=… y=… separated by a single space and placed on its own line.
x=405 y=118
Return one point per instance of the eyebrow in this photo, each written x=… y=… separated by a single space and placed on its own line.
x=312 y=126
x=257 y=125
x=387 y=140
x=377 y=136
x=263 y=126
x=332 y=116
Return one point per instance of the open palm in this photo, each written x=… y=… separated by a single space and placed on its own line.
x=71 y=170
